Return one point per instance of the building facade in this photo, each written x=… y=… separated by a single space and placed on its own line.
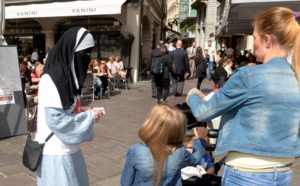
x=129 y=28
x=228 y=23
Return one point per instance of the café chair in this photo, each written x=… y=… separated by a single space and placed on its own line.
x=88 y=86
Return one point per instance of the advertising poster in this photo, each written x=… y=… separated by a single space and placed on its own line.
x=9 y=74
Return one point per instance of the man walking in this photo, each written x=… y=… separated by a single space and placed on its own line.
x=191 y=54
x=179 y=57
x=162 y=80
x=153 y=86
x=211 y=52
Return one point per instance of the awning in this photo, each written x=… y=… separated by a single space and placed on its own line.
x=63 y=9
x=237 y=18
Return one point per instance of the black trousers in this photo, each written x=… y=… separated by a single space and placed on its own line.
x=162 y=87
x=199 y=82
x=178 y=83
x=104 y=85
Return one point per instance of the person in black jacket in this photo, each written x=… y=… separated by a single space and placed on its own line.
x=200 y=66
x=220 y=75
x=153 y=86
x=180 y=67
x=162 y=81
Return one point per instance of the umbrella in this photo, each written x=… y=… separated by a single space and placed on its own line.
x=2 y=22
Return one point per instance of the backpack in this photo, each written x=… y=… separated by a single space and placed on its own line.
x=157 y=66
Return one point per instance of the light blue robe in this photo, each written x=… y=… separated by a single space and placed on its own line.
x=66 y=170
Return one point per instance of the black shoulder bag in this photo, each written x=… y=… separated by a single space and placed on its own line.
x=33 y=151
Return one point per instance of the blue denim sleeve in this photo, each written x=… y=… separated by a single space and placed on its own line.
x=70 y=128
x=235 y=91
x=128 y=173
x=195 y=158
x=209 y=162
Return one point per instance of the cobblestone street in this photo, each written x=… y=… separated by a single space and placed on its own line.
x=114 y=134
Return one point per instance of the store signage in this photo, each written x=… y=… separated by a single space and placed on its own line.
x=259 y=1
x=64 y=9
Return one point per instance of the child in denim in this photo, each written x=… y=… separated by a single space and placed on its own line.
x=160 y=157
x=200 y=174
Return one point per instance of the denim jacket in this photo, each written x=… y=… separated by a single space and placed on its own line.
x=138 y=169
x=260 y=108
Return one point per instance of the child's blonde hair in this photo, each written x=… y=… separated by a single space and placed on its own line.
x=163 y=131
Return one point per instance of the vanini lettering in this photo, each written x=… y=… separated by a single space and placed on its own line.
x=83 y=10
x=29 y=13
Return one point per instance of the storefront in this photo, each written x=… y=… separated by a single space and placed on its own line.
x=235 y=27
x=44 y=24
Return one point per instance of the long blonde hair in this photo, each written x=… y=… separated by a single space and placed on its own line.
x=163 y=131
x=281 y=25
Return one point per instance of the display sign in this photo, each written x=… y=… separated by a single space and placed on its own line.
x=12 y=110
x=9 y=75
x=62 y=9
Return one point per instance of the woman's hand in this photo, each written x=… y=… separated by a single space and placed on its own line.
x=97 y=113
x=194 y=91
x=200 y=132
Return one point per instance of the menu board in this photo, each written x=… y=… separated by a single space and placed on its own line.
x=12 y=110
x=9 y=75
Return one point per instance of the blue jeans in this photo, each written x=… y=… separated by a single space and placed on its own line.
x=97 y=85
x=210 y=69
x=233 y=177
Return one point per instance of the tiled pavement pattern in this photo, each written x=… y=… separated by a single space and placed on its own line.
x=114 y=134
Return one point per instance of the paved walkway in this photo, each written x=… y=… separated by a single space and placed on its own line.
x=114 y=134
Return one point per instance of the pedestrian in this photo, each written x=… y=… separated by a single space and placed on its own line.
x=35 y=55
x=171 y=47
x=260 y=106
x=153 y=86
x=60 y=111
x=162 y=81
x=220 y=76
x=211 y=53
x=191 y=51
x=179 y=57
x=200 y=66
x=160 y=157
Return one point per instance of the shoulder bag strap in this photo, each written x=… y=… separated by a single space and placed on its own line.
x=30 y=128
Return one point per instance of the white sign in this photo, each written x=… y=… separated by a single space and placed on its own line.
x=10 y=79
x=259 y=1
x=63 y=9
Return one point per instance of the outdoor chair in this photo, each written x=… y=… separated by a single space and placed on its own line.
x=126 y=80
x=88 y=86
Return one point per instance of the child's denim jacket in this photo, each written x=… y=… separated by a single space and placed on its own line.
x=138 y=169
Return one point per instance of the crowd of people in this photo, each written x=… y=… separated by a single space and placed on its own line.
x=259 y=128
x=194 y=62
x=105 y=73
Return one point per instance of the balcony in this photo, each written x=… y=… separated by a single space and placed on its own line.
x=188 y=34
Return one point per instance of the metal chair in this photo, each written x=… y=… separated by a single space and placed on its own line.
x=88 y=86
x=125 y=81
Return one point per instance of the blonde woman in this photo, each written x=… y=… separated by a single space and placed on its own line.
x=121 y=64
x=260 y=106
x=36 y=77
x=160 y=157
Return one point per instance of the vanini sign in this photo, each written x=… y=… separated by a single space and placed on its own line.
x=64 y=9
